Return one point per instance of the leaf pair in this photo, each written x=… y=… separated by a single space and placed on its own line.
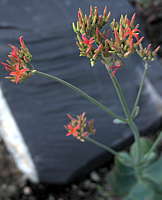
x=125 y=181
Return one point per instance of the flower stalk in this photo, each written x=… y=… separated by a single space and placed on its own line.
x=103 y=146
x=126 y=111
x=82 y=93
x=154 y=146
x=140 y=90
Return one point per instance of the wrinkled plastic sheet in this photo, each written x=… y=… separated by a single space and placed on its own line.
x=40 y=105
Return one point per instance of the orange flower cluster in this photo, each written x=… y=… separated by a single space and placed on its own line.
x=120 y=40
x=126 y=37
x=18 y=64
x=79 y=127
x=87 y=24
x=146 y=53
x=86 y=28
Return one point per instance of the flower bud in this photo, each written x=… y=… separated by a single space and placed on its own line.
x=79 y=127
x=18 y=65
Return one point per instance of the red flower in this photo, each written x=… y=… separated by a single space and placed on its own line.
x=18 y=63
x=88 y=42
x=131 y=33
x=79 y=127
x=21 y=40
x=18 y=74
x=14 y=52
x=72 y=127
x=6 y=66
x=72 y=130
x=114 y=69
x=131 y=23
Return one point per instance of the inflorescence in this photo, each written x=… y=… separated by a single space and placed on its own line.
x=98 y=37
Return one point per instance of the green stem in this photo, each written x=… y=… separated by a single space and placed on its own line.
x=102 y=146
x=157 y=141
x=117 y=88
x=120 y=95
x=82 y=93
x=126 y=111
x=136 y=134
x=140 y=89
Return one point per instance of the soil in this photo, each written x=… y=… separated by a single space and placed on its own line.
x=13 y=185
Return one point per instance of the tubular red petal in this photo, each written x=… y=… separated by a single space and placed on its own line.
x=157 y=49
x=21 y=40
x=132 y=19
x=6 y=66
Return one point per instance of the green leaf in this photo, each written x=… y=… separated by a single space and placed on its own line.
x=118 y=121
x=144 y=190
x=154 y=172
x=148 y=158
x=141 y=191
x=122 y=177
x=145 y=145
x=125 y=158
x=157 y=196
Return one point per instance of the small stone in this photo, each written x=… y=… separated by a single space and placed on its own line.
x=51 y=197
x=11 y=189
x=4 y=186
x=27 y=190
x=88 y=185
x=81 y=193
x=95 y=177
x=74 y=187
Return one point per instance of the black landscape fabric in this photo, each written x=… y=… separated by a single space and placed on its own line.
x=40 y=105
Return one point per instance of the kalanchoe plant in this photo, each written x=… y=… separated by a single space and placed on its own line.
x=136 y=174
x=129 y=178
